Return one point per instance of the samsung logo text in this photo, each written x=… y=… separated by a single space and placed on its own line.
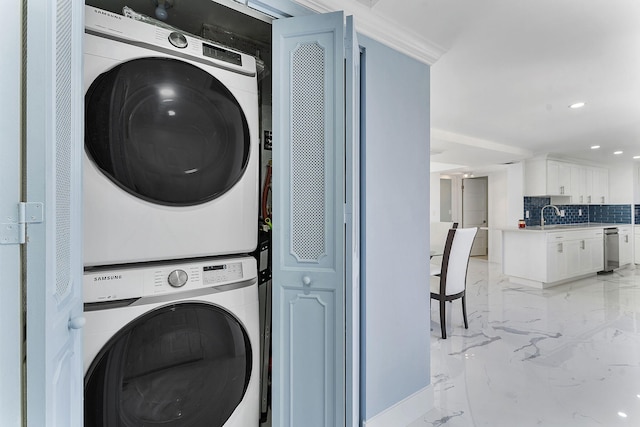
x=103 y=278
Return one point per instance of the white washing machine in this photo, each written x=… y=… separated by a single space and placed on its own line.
x=172 y=345
x=171 y=144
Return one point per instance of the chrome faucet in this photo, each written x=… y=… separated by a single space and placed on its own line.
x=542 y=213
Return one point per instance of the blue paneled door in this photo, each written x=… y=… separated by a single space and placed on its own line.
x=315 y=189
x=52 y=211
x=10 y=248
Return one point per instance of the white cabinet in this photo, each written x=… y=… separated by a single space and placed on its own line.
x=625 y=246
x=558 y=178
x=547 y=178
x=585 y=184
x=594 y=252
x=600 y=193
x=589 y=185
x=574 y=253
x=556 y=261
x=579 y=184
x=548 y=258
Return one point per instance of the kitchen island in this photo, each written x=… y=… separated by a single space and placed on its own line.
x=543 y=257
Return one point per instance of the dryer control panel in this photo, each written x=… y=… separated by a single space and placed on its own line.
x=104 y=285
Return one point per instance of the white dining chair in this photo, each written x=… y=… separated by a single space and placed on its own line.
x=450 y=284
x=438 y=237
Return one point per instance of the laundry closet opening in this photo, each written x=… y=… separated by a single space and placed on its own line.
x=181 y=171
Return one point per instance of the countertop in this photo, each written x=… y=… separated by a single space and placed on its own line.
x=563 y=227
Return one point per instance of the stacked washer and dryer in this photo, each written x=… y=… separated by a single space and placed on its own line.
x=170 y=214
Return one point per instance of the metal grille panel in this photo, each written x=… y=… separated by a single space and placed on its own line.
x=308 y=218
x=63 y=146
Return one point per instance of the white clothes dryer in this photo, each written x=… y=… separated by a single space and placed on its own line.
x=172 y=345
x=171 y=144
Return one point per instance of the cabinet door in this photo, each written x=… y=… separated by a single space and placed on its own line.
x=596 y=246
x=564 y=179
x=553 y=172
x=625 y=249
x=578 y=184
x=588 y=185
x=592 y=255
x=558 y=178
x=556 y=262
x=600 y=186
x=573 y=253
x=637 y=248
x=585 y=256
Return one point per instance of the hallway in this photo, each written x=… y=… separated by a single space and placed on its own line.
x=561 y=357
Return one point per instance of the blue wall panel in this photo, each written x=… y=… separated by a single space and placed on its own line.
x=395 y=233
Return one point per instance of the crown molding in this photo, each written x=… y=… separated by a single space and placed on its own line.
x=380 y=28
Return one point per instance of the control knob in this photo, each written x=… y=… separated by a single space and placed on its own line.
x=178 y=40
x=177 y=278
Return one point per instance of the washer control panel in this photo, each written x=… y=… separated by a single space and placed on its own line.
x=101 y=285
x=215 y=274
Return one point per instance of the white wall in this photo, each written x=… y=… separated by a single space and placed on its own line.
x=621 y=184
x=434 y=196
x=497 y=207
x=636 y=185
x=515 y=194
x=456 y=198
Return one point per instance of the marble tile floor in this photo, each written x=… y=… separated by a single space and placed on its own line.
x=560 y=357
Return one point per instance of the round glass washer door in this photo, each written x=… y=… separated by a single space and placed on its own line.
x=186 y=365
x=166 y=131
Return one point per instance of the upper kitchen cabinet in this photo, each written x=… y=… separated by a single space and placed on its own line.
x=579 y=184
x=600 y=190
x=558 y=178
x=589 y=185
x=547 y=178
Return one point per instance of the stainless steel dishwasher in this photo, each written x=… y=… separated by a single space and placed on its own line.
x=611 y=249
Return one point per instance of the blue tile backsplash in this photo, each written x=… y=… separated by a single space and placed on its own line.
x=637 y=214
x=574 y=214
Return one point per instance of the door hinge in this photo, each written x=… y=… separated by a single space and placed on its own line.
x=15 y=232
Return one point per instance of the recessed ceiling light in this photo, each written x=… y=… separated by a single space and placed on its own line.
x=577 y=105
x=617 y=152
x=595 y=147
x=622 y=414
x=637 y=157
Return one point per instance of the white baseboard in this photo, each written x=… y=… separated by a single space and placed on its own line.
x=404 y=412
